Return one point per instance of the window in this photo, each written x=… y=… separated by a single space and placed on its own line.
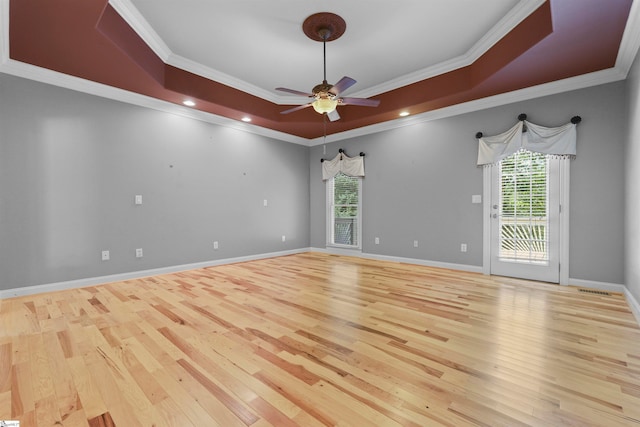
x=344 y=197
x=524 y=213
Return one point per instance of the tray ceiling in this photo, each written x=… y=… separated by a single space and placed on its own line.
x=228 y=57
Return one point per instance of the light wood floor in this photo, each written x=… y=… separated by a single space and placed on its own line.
x=319 y=340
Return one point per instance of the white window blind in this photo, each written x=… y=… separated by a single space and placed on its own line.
x=344 y=211
x=524 y=215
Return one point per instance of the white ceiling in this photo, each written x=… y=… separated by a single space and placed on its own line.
x=258 y=45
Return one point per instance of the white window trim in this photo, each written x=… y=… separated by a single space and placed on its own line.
x=329 y=214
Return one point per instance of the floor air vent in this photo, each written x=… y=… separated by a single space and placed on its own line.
x=593 y=291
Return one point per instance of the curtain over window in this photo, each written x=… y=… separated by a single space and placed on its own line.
x=351 y=166
x=557 y=141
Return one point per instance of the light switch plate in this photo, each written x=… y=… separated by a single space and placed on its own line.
x=476 y=198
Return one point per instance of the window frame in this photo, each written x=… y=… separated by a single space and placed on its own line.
x=329 y=190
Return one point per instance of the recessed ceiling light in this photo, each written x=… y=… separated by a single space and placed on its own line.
x=246 y=119
x=189 y=103
x=403 y=113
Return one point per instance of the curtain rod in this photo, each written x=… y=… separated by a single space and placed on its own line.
x=342 y=151
x=522 y=117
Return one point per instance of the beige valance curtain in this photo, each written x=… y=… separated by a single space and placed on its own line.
x=352 y=166
x=557 y=141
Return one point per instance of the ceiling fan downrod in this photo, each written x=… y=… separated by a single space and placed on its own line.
x=324 y=34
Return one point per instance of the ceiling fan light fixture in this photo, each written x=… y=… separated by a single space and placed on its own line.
x=324 y=105
x=324 y=27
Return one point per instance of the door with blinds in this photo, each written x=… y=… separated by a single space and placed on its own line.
x=525 y=217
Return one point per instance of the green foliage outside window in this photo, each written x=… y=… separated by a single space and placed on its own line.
x=524 y=185
x=345 y=196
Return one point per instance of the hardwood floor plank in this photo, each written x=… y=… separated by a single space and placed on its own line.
x=67 y=399
x=5 y=402
x=102 y=420
x=235 y=406
x=88 y=390
x=22 y=394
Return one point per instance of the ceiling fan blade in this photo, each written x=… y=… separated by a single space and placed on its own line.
x=293 y=91
x=299 y=107
x=333 y=115
x=360 y=101
x=342 y=85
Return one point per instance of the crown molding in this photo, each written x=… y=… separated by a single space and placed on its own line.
x=497 y=32
x=574 y=83
x=226 y=79
x=507 y=24
x=55 y=78
x=630 y=40
x=43 y=75
x=139 y=24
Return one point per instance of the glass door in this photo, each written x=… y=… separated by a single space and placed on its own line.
x=525 y=217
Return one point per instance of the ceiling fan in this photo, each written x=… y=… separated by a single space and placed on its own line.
x=326 y=97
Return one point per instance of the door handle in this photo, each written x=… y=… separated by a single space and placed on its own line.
x=495 y=206
x=495 y=215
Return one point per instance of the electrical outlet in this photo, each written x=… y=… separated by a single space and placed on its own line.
x=265 y=203
x=377 y=240
x=284 y=238
x=105 y=255
x=415 y=243
x=463 y=247
x=138 y=199
x=215 y=245
x=139 y=253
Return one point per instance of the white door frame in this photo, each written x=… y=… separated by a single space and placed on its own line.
x=564 y=220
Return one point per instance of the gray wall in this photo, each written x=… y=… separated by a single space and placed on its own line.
x=71 y=164
x=420 y=180
x=632 y=189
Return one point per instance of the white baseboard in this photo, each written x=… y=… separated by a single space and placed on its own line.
x=592 y=284
x=426 y=263
x=633 y=304
x=92 y=281
x=613 y=287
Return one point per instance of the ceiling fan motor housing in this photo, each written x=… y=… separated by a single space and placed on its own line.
x=322 y=90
